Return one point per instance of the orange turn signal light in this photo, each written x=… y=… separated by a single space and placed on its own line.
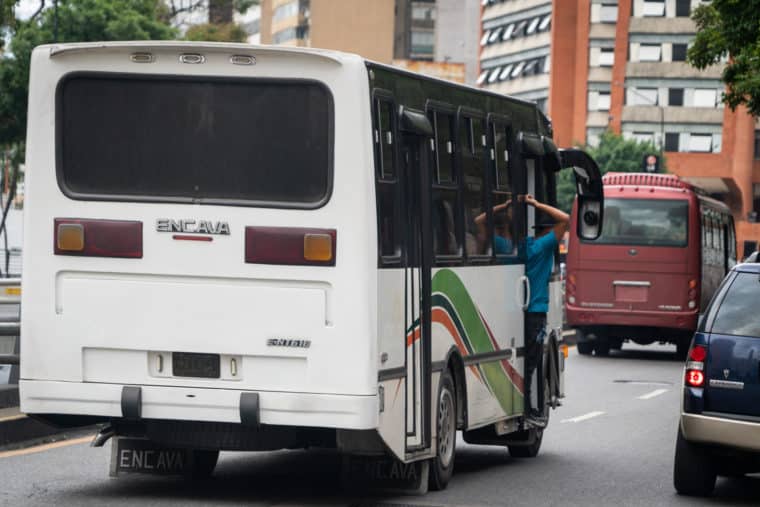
x=692 y=284
x=317 y=247
x=71 y=237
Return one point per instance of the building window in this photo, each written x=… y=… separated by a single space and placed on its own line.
x=518 y=70
x=756 y=200
x=653 y=8
x=423 y=12
x=422 y=42
x=482 y=77
x=701 y=143
x=650 y=52
x=683 y=8
x=506 y=71
x=285 y=11
x=533 y=26
x=642 y=97
x=486 y=36
x=284 y=35
x=704 y=97
x=757 y=144
x=675 y=96
x=603 y=103
x=520 y=28
x=494 y=35
x=494 y=75
x=606 y=57
x=671 y=141
x=545 y=23
x=508 y=32
x=608 y=13
x=644 y=137
x=679 y=52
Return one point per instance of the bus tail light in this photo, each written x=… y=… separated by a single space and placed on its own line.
x=290 y=246
x=98 y=238
x=695 y=365
x=692 y=294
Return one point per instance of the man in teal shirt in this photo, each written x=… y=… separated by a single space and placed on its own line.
x=539 y=254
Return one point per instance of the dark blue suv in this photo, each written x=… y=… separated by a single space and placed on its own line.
x=719 y=432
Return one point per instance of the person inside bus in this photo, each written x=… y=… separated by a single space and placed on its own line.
x=539 y=254
x=502 y=227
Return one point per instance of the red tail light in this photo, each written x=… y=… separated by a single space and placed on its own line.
x=695 y=378
x=698 y=353
x=290 y=246
x=695 y=366
x=98 y=238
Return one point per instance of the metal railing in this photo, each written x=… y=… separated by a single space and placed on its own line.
x=10 y=294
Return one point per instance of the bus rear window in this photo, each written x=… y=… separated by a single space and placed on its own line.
x=248 y=142
x=652 y=222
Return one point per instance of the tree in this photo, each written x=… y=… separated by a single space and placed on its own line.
x=78 y=21
x=221 y=26
x=614 y=153
x=730 y=28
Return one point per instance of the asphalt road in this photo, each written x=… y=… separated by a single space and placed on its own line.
x=610 y=444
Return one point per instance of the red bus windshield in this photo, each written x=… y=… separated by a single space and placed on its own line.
x=650 y=222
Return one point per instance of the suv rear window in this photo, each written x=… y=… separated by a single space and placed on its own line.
x=204 y=140
x=737 y=314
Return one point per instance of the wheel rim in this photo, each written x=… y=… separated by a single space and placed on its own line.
x=446 y=428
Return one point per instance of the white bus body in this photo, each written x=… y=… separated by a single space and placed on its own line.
x=333 y=346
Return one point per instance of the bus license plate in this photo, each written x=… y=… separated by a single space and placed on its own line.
x=186 y=364
x=137 y=455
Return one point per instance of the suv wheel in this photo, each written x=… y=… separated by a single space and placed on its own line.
x=694 y=472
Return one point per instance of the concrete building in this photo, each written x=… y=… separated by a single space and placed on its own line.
x=620 y=65
x=404 y=32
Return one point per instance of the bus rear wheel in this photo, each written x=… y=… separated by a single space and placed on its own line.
x=585 y=348
x=442 y=466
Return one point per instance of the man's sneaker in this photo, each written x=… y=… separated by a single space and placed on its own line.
x=536 y=421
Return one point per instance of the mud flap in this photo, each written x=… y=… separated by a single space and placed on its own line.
x=139 y=455
x=361 y=474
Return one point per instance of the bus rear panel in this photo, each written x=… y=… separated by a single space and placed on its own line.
x=645 y=279
x=188 y=242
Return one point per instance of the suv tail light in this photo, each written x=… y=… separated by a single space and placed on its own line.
x=290 y=245
x=695 y=366
x=98 y=238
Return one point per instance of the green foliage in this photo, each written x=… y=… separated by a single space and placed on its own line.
x=78 y=21
x=730 y=28
x=614 y=153
x=229 y=32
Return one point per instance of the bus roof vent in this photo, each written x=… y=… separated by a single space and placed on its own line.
x=647 y=180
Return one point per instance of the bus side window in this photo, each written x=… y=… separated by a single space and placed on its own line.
x=501 y=185
x=384 y=139
x=443 y=124
x=472 y=143
x=387 y=187
x=445 y=190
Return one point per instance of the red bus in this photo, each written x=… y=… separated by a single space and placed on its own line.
x=665 y=247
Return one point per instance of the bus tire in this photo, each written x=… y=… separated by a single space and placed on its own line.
x=682 y=348
x=442 y=466
x=602 y=346
x=203 y=463
x=693 y=471
x=585 y=348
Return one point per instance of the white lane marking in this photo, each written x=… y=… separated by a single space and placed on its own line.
x=654 y=393
x=583 y=417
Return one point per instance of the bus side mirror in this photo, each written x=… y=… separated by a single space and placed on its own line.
x=588 y=186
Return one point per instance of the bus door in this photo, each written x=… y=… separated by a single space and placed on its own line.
x=417 y=258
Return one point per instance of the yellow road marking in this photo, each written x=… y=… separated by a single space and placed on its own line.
x=45 y=447
x=12 y=417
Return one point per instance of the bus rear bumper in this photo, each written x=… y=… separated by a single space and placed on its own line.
x=586 y=317
x=200 y=404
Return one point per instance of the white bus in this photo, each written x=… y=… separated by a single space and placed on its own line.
x=231 y=247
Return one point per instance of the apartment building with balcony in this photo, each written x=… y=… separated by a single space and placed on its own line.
x=621 y=65
x=437 y=37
